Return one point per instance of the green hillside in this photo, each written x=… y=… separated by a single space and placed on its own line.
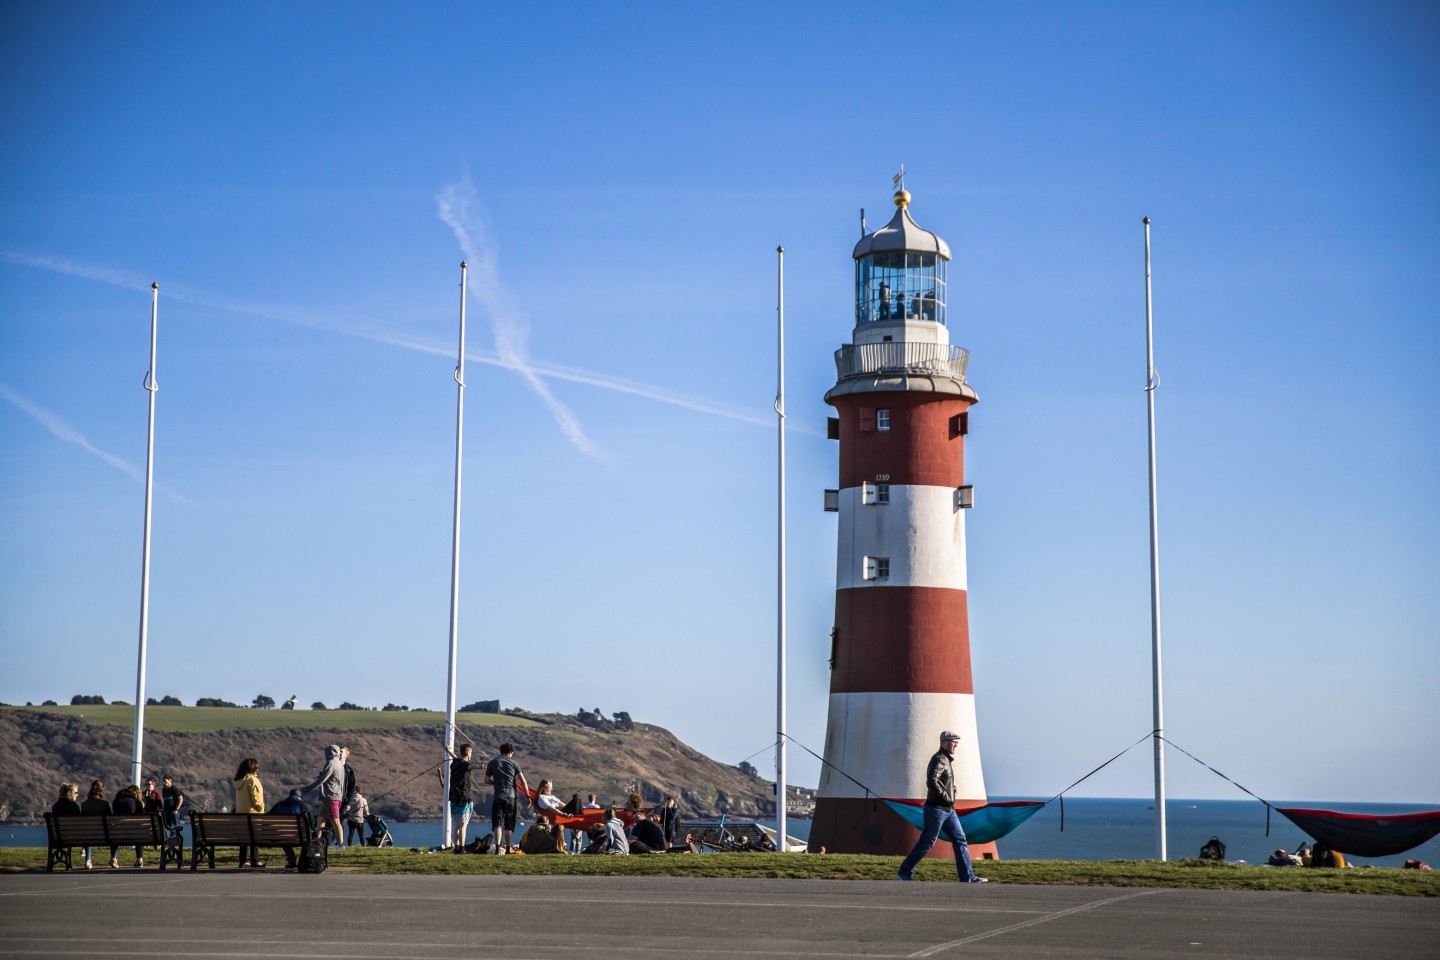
x=211 y=719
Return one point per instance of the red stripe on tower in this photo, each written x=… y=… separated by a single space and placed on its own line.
x=901 y=656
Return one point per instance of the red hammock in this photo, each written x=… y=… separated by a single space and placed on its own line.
x=1366 y=835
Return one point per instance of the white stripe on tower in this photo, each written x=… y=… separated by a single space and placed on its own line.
x=863 y=741
x=921 y=532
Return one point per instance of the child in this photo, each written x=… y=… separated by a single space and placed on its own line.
x=355 y=814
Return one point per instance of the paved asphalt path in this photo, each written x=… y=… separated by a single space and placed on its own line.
x=273 y=915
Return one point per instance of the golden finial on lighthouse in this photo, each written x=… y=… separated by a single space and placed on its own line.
x=902 y=196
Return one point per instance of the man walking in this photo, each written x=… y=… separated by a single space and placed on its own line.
x=505 y=774
x=940 y=813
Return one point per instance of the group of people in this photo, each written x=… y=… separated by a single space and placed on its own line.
x=644 y=834
x=130 y=800
x=1306 y=856
x=343 y=808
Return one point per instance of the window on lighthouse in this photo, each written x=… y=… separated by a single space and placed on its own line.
x=882 y=419
x=877 y=568
x=876 y=493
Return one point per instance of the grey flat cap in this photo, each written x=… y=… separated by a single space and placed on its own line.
x=949 y=735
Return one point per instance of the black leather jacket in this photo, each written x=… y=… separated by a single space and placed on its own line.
x=940 y=781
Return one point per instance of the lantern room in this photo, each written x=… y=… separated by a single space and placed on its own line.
x=900 y=272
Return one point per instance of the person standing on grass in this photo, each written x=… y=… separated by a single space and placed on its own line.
x=670 y=821
x=940 y=813
x=504 y=773
x=249 y=798
x=462 y=797
x=331 y=784
x=352 y=784
x=357 y=808
x=174 y=800
x=151 y=797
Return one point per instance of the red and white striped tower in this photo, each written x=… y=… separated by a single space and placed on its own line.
x=900 y=656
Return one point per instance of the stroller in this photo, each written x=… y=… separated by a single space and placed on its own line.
x=379 y=832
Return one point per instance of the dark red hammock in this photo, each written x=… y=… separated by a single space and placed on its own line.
x=1366 y=835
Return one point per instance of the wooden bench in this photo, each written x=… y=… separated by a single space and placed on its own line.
x=211 y=830
x=111 y=830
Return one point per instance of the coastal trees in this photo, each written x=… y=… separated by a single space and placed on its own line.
x=263 y=702
x=84 y=700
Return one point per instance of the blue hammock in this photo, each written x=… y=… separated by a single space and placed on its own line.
x=982 y=824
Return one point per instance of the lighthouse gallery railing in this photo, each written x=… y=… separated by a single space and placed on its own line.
x=924 y=359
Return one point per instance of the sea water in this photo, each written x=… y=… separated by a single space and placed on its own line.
x=1094 y=829
x=1124 y=829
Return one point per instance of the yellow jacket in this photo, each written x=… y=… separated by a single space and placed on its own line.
x=249 y=795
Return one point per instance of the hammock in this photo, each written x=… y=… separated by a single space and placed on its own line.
x=982 y=824
x=1366 y=835
x=582 y=821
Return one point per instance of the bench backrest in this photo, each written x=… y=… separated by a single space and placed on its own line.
x=99 y=830
x=257 y=829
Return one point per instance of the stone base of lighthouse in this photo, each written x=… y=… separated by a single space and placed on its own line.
x=882 y=742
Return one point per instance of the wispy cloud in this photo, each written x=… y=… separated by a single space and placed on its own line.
x=55 y=424
x=459 y=209
x=184 y=294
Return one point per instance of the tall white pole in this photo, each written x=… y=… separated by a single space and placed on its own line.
x=780 y=744
x=1151 y=382
x=136 y=766
x=454 y=567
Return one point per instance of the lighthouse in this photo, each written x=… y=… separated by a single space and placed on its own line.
x=900 y=648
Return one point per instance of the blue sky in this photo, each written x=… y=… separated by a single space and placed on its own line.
x=299 y=178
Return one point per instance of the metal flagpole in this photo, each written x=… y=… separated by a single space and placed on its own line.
x=1151 y=382
x=136 y=766
x=454 y=567
x=780 y=584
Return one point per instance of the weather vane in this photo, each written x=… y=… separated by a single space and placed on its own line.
x=898 y=181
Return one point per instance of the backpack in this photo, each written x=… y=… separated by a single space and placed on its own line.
x=1213 y=850
x=573 y=807
x=542 y=838
x=1322 y=856
x=314 y=856
x=478 y=845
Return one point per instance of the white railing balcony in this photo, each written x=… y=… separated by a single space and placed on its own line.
x=900 y=359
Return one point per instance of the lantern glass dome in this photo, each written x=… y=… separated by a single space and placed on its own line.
x=901 y=285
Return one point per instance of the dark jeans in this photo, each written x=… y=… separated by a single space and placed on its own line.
x=935 y=818
x=353 y=830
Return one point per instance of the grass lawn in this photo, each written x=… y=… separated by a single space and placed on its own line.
x=209 y=719
x=1189 y=874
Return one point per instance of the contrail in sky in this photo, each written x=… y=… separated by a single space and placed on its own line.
x=52 y=422
x=457 y=207
x=300 y=318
